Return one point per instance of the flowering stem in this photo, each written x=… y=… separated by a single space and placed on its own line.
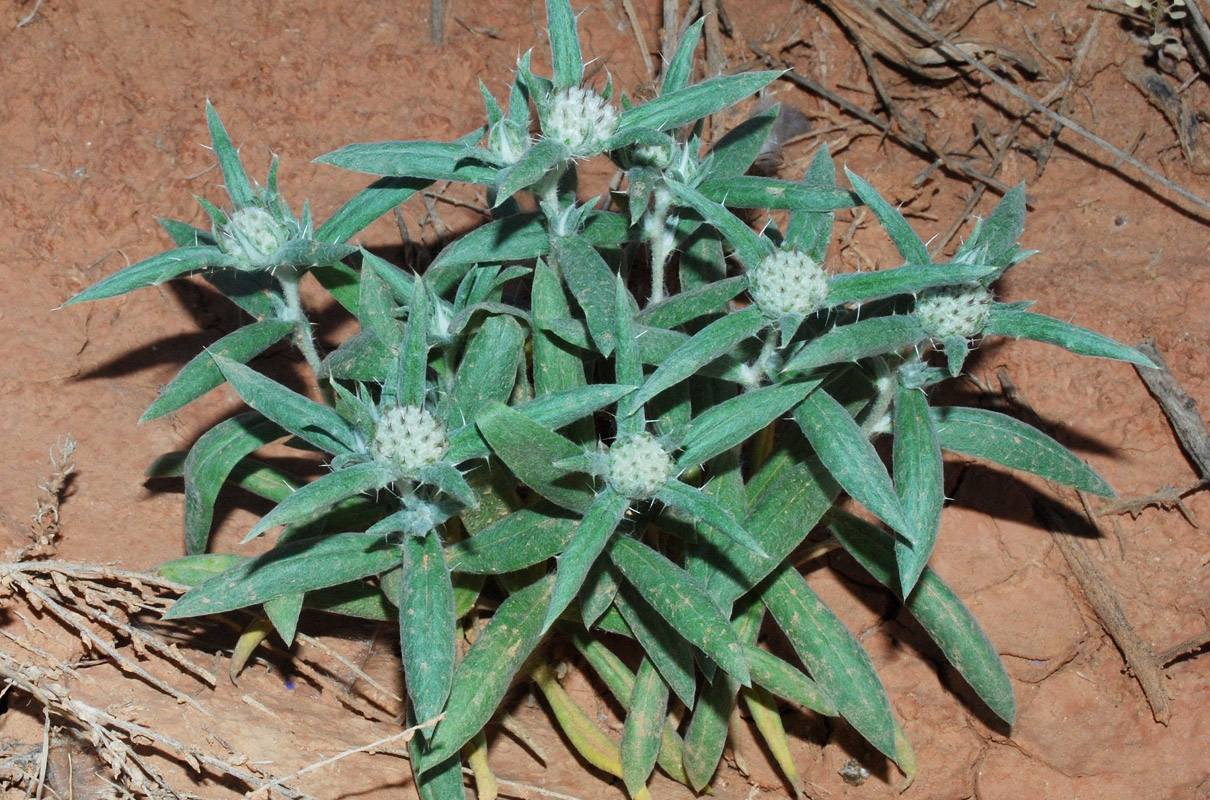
x=289 y=278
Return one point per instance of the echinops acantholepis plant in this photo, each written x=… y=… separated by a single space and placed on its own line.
x=609 y=423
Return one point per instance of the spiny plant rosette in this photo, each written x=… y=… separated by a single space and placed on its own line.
x=606 y=423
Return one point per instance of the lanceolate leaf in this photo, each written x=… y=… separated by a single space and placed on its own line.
x=153 y=271
x=592 y=283
x=201 y=374
x=1040 y=328
x=685 y=306
x=235 y=180
x=319 y=496
x=531 y=451
x=734 y=421
x=707 y=732
x=942 y=615
x=299 y=566
x=750 y=247
x=862 y=339
x=592 y=534
x=675 y=108
x=671 y=654
x=530 y=168
x=211 y=460
x=834 y=657
x=426 y=626
x=566 y=61
x=488 y=369
x=708 y=344
x=785 y=680
x=699 y=506
x=910 y=246
x=680 y=68
x=1011 y=443
x=734 y=154
x=858 y=287
x=681 y=601
x=919 y=480
x=484 y=675
x=523 y=538
x=430 y=161
x=368 y=205
x=750 y=191
x=843 y=447
x=811 y=231
x=306 y=419
x=641 y=733
x=414 y=355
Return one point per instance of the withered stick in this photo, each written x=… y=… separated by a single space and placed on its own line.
x=1179 y=407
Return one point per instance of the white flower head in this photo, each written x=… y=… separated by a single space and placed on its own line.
x=408 y=438
x=638 y=466
x=581 y=119
x=949 y=311
x=788 y=282
x=253 y=235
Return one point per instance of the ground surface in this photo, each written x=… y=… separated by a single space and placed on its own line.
x=102 y=130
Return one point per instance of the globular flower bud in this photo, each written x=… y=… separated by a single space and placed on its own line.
x=638 y=466
x=949 y=311
x=581 y=119
x=253 y=235
x=788 y=282
x=408 y=438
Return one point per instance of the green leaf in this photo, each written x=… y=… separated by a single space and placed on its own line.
x=599 y=592
x=919 y=479
x=304 y=253
x=628 y=363
x=194 y=570
x=592 y=534
x=523 y=538
x=687 y=306
x=552 y=411
x=531 y=451
x=707 y=732
x=376 y=308
x=488 y=369
x=185 y=235
x=943 y=616
x=833 y=656
x=732 y=422
x=592 y=283
x=997 y=235
x=530 y=168
x=678 y=598
x=235 y=180
x=910 y=246
x=1011 y=443
x=426 y=626
x=318 y=497
x=708 y=344
x=566 y=61
x=483 y=677
x=302 y=565
x=858 y=287
x=868 y=337
x=843 y=448
x=787 y=681
x=412 y=375
x=735 y=153
x=153 y=271
x=210 y=462
x=201 y=374
x=811 y=231
x=1027 y=325
x=750 y=191
x=702 y=508
x=283 y=613
x=368 y=205
x=642 y=731
x=429 y=161
x=442 y=781
x=675 y=108
x=671 y=654
x=680 y=68
x=306 y=419
x=750 y=247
